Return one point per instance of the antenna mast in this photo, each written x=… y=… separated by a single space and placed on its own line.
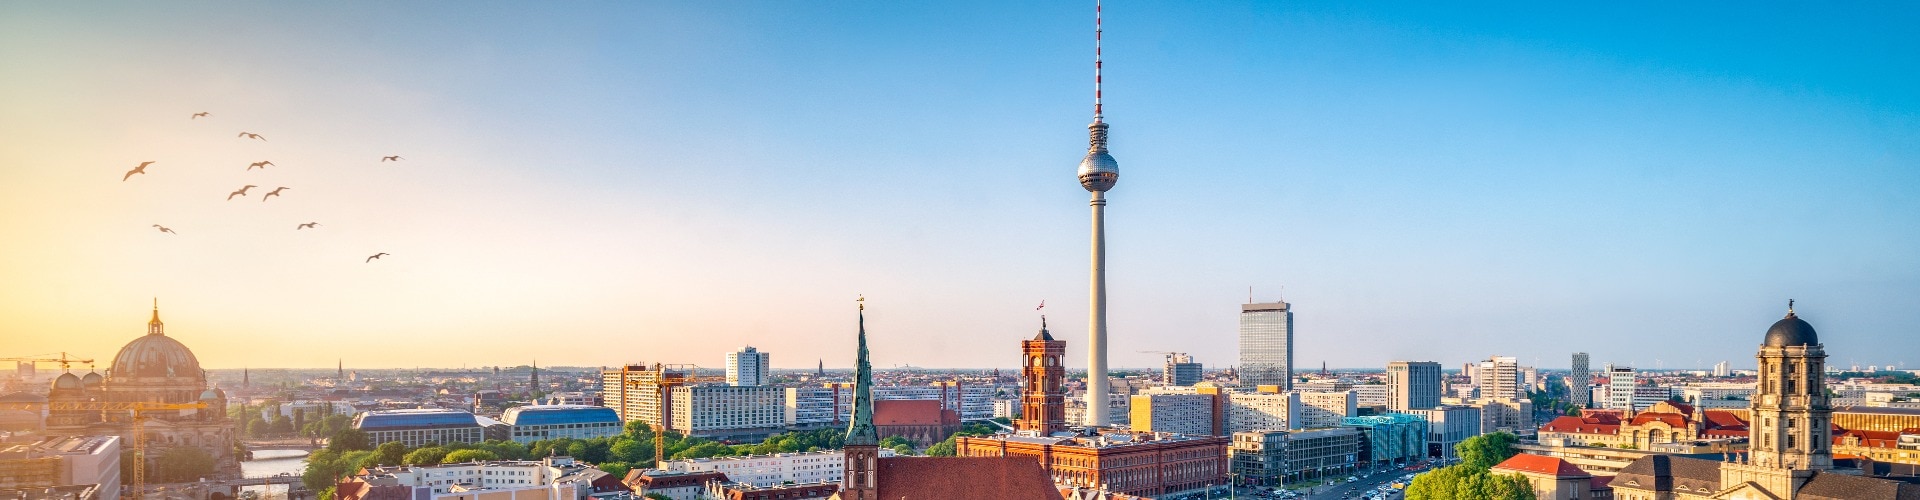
x=1096 y=62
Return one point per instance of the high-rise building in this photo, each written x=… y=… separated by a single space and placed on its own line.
x=1043 y=406
x=748 y=367
x=1266 y=345
x=1722 y=369
x=1620 y=383
x=1180 y=370
x=1579 y=380
x=1413 y=385
x=1499 y=377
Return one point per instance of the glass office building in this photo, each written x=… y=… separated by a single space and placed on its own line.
x=1266 y=345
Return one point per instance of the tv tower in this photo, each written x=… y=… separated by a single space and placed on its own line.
x=1098 y=173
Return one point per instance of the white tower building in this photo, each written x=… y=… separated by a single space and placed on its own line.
x=1098 y=173
x=749 y=367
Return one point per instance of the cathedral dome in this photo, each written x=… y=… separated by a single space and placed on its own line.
x=1791 y=331
x=92 y=380
x=66 y=381
x=155 y=356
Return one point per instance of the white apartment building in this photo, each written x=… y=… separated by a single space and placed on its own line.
x=1190 y=414
x=1262 y=411
x=772 y=470
x=1499 y=377
x=748 y=367
x=1371 y=394
x=551 y=478
x=62 y=461
x=718 y=409
x=1006 y=408
x=1325 y=409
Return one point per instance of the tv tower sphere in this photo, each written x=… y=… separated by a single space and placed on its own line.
x=1098 y=171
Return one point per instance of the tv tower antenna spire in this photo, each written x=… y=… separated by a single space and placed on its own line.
x=1097 y=111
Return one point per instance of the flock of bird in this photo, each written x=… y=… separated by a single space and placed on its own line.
x=141 y=169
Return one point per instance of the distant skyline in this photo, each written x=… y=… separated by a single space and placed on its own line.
x=667 y=182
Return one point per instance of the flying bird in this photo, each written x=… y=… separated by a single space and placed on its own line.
x=305 y=226
x=273 y=193
x=251 y=135
x=241 y=192
x=385 y=159
x=197 y=116
x=262 y=164
x=164 y=229
x=142 y=169
x=375 y=256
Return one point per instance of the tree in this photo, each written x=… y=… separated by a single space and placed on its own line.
x=282 y=426
x=942 y=449
x=617 y=469
x=628 y=450
x=391 y=453
x=182 y=464
x=904 y=449
x=464 y=456
x=1486 y=450
x=349 y=439
x=431 y=455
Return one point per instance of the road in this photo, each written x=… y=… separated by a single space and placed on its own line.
x=1355 y=489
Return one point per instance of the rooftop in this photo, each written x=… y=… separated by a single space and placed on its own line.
x=558 y=414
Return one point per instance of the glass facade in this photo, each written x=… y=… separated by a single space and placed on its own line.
x=1266 y=345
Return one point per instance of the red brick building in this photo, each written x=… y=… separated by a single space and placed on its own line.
x=923 y=421
x=1134 y=464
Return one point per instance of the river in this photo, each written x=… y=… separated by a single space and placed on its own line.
x=269 y=463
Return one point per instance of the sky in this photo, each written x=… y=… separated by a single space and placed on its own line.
x=591 y=184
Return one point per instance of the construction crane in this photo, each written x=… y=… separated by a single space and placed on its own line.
x=663 y=387
x=65 y=360
x=138 y=427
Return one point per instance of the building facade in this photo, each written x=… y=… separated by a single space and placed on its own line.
x=1580 y=382
x=1266 y=345
x=527 y=424
x=416 y=428
x=773 y=470
x=1190 y=414
x=54 y=462
x=748 y=367
x=1413 y=385
x=1391 y=439
x=1326 y=409
x=1499 y=377
x=1262 y=411
x=726 y=410
x=1448 y=426
x=1180 y=370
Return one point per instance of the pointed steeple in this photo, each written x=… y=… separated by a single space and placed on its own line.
x=861 y=431
x=154 y=326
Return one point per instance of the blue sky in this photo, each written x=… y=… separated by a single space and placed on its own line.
x=665 y=182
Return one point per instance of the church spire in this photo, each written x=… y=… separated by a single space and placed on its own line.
x=861 y=430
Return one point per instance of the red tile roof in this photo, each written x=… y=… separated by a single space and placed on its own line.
x=929 y=478
x=1577 y=425
x=1723 y=419
x=1601 y=483
x=1537 y=464
x=906 y=412
x=656 y=481
x=1870 y=439
x=1673 y=419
